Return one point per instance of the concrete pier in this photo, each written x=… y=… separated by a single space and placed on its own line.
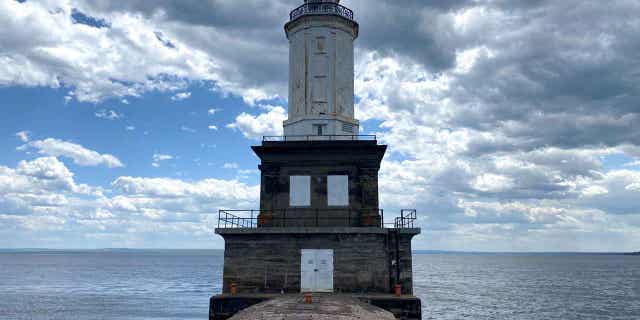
x=225 y=306
x=323 y=307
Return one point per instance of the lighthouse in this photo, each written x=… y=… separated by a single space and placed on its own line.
x=319 y=228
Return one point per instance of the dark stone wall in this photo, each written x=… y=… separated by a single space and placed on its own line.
x=371 y=261
x=263 y=263
x=401 y=269
x=366 y=260
x=360 y=160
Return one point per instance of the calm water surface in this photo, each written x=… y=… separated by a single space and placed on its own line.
x=170 y=284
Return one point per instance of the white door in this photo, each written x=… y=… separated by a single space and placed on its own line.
x=317 y=270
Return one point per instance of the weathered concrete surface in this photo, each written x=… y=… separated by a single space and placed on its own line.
x=222 y=307
x=324 y=307
x=405 y=307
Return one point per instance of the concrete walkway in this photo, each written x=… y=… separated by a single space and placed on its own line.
x=324 y=307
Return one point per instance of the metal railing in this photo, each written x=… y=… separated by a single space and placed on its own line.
x=406 y=219
x=320 y=138
x=302 y=217
x=321 y=8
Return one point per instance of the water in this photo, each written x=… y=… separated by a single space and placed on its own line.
x=170 y=284
x=533 y=286
x=109 y=285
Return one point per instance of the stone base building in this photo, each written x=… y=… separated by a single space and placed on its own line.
x=264 y=250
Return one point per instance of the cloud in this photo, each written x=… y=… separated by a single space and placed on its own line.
x=230 y=166
x=41 y=197
x=108 y=114
x=181 y=96
x=212 y=127
x=47 y=169
x=52 y=44
x=490 y=182
x=79 y=154
x=187 y=129
x=158 y=158
x=23 y=136
x=265 y=124
x=172 y=188
x=633 y=164
x=213 y=111
x=36 y=179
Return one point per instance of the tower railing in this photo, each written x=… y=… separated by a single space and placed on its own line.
x=320 y=138
x=321 y=8
x=309 y=217
x=406 y=219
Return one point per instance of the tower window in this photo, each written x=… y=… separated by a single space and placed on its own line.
x=299 y=191
x=338 y=191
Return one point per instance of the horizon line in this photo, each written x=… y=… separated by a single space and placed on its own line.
x=416 y=251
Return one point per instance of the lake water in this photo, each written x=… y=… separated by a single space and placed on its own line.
x=167 y=284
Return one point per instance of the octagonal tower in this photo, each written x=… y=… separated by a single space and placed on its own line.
x=321 y=34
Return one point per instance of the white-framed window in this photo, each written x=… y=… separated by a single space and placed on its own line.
x=338 y=191
x=299 y=191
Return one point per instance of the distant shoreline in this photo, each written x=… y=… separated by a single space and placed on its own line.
x=128 y=250
x=523 y=252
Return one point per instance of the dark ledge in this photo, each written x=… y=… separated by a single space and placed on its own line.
x=302 y=230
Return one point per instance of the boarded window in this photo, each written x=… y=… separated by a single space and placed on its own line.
x=299 y=191
x=338 y=190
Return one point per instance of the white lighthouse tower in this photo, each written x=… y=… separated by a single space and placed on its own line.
x=321 y=35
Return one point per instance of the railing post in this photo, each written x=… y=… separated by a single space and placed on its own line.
x=317 y=218
x=284 y=218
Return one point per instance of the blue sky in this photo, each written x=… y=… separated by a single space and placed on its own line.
x=510 y=127
x=149 y=125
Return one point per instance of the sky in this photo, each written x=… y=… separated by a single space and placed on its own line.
x=511 y=125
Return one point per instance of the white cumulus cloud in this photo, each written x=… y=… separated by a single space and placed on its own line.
x=79 y=154
x=265 y=124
